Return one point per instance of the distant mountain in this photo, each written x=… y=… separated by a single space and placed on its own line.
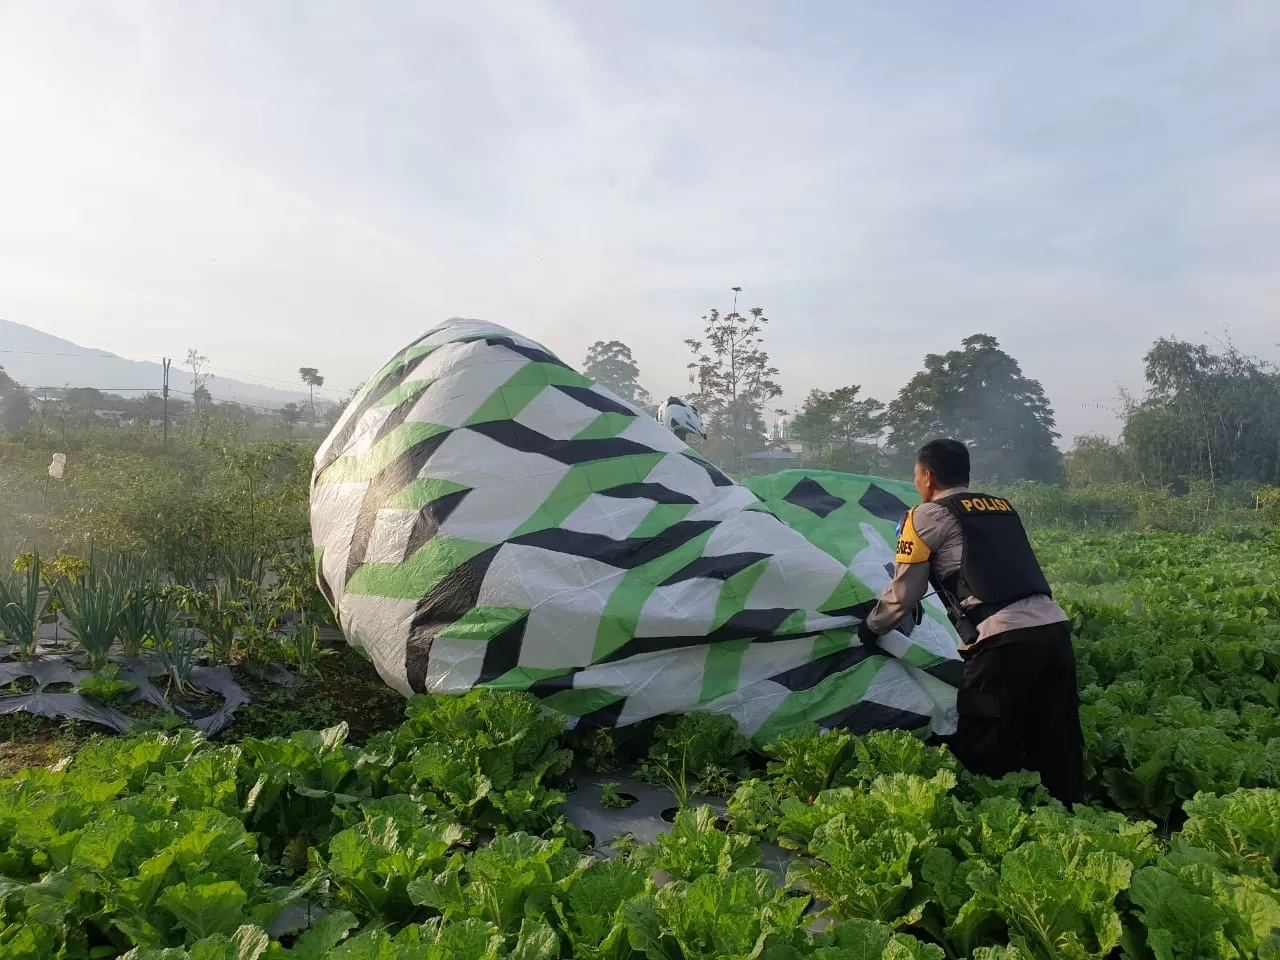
x=37 y=359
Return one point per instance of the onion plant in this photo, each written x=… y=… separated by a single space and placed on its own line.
x=242 y=571
x=217 y=613
x=23 y=605
x=92 y=604
x=175 y=647
x=305 y=650
x=135 y=617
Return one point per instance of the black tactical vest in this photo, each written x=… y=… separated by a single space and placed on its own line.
x=997 y=564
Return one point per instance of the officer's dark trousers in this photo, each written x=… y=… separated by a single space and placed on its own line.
x=1020 y=710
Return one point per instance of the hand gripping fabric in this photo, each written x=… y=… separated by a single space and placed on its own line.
x=485 y=516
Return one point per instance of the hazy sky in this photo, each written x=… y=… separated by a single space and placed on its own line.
x=289 y=183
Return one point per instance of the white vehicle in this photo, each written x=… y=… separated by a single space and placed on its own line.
x=681 y=418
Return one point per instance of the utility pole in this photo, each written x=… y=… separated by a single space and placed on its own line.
x=165 y=394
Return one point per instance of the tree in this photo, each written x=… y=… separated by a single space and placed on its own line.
x=837 y=419
x=311 y=377
x=611 y=365
x=978 y=395
x=79 y=406
x=15 y=404
x=199 y=378
x=1211 y=414
x=86 y=399
x=292 y=415
x=1094 y=459
x=151 y=407
x=15 y=411
x=733 y=380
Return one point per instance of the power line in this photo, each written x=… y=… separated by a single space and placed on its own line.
x=275 y=380
x=99 y=389
x=228 y=403
x=157 y=393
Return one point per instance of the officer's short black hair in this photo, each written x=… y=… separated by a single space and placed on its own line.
x=947 y=460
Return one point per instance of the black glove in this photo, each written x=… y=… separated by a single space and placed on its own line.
x=870 y=639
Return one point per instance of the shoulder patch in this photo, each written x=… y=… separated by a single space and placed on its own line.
x=911 y=549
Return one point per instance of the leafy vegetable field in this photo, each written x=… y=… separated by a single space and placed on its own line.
x=1178 y=642
x=446 y=836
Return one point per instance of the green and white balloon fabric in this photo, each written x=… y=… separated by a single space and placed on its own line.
x=486 y=516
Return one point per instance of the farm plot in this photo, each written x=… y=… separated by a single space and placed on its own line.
x=453 y=834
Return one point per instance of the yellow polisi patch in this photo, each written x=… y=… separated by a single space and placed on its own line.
x=911 y=549
x=986 y=505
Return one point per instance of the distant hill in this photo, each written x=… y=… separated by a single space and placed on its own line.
x=37 y=359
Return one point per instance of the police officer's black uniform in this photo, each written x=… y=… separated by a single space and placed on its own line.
x=1018 y=705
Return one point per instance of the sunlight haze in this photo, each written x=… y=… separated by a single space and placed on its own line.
x=285 y=184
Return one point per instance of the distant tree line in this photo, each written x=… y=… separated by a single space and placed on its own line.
x=84 y=408
x=1207 y=413
x=977 y=393
x=15 y=404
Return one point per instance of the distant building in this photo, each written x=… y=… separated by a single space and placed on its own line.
x=781 y=456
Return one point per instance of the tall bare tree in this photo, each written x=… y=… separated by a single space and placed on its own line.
x=733 y=380
x=311 y=377
x=197 y=361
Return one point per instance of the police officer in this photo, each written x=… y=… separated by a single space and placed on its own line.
x=1018 y=705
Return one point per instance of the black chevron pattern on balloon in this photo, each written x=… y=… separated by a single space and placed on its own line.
x=624 y=554
x=656 y=492
x=809 y=675
x=867 y=715
x=546 y=686
x=517 y=436
x=606 y=716
x=758 y=626
x=451 y=598
x=396 y=416
x=879 y=502
x=717 y=478
x=502 y=652
x=715 y=568
x=859 y=610
x=595 y=400
x=536 y=354
x=389 y=481
x=431 y=518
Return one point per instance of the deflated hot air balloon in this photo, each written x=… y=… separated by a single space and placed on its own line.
x=484 y=515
